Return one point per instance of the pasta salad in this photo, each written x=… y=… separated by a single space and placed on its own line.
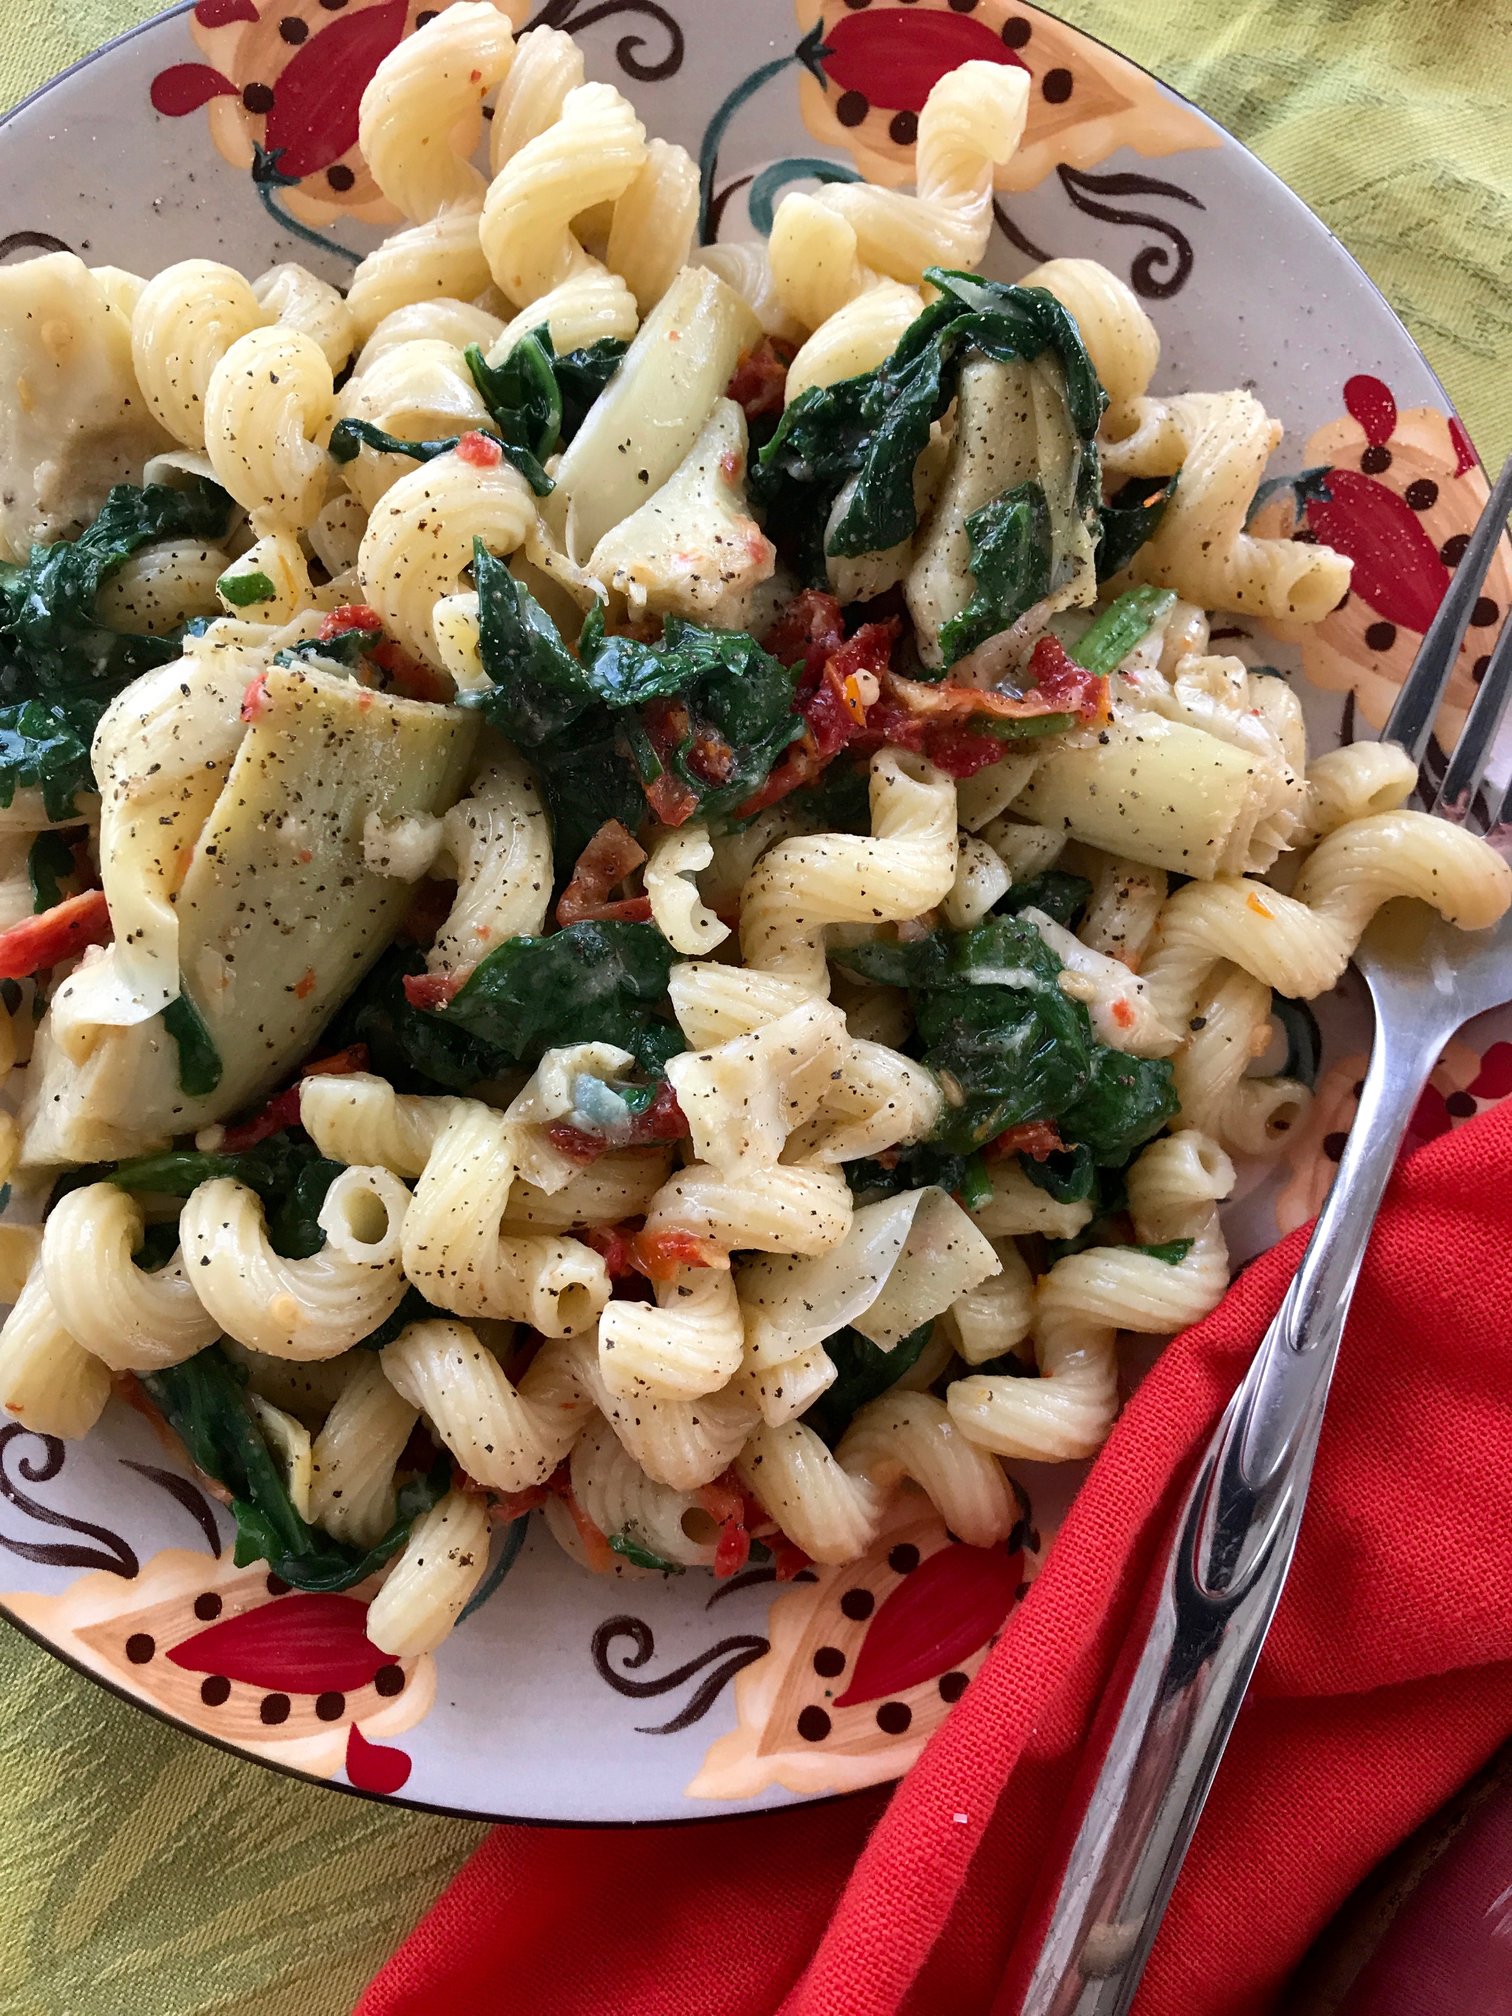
x=629 y=881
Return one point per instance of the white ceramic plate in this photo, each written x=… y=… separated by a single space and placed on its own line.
x=228 y=130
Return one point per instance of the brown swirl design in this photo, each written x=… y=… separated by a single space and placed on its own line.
x=631 y=49
x=19 y=1467
x=719 y=1665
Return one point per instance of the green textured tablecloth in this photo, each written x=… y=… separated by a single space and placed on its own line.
x=146 y=1875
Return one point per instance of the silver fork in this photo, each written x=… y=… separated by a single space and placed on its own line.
x=1238 y=1525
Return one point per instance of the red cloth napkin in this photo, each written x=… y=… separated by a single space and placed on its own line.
x=1386 y=1680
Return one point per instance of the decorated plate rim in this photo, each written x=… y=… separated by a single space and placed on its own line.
x=1299 y=216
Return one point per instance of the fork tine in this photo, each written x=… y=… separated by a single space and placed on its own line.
x=1467 y=766
x=1410 y=722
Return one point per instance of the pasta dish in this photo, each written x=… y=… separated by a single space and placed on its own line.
x=634 y=881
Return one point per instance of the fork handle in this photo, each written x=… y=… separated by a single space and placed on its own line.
x=1223 y=1576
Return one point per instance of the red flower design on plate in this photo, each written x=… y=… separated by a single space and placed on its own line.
x=876 y=63
x=1403 y=491
x=867 y=1659
x=237 y=1655
x=283 y=80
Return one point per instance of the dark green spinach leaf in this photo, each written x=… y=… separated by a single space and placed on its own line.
x=204 y=1401
x=51 y=641
x=1010 y=542
x=1130 y=517
x=873 y=428
x=590 y=982
x=200 y=1066
x=863 y=1370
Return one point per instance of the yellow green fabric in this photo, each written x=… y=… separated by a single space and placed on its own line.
x=147 y=1873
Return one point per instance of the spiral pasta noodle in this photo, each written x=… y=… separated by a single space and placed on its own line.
x=419 y=540
x=314 y=1308
x=268 y=411
x=132 y=1320
x=1220 y=441
x=799 y=887
x=846 y=262
x=422 y=113
x=590 y=155
x=185 y=320
x=1084 y=1300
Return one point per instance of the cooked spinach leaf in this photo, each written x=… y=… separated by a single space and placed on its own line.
x=1130 y=517
x=1009 y=1047
x=521 y=395
x=538 y=399
x=732 y=718
x=581 y=376
x=204 y=1401
x=590 y=982
x=1010 y=547
x=44 y=745
x=863 y=1370
x=415 y=1050
x=200 y=1066
x=49 y=859
x=1062 y=897
x=350 y=437
x=630 y=1549
x=865 y=434
x=52 y=644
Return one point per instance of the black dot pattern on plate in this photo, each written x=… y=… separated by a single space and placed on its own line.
x=952 y=1686
x=963 y=6
x=813 y=1725
x=276 y=1586
x=851 y=108
x=1454 y=548
x=829 y=1662
x=857 y=1604
x=207 y=1607
x=1376 y=459
x=330 y=1706
x=1333 y=1145
x=856 y=5
x=1380 y=636
x=1460 y=1106
x=215 y=1690
x=258 y=98
x=1484 y=614
x=389 y=1680
x=1422 y=494
x=904 y=1558
x=1480 y=668
x=1016 y=31
x=333 y=6
x=340 y=176
x=893 y=1718
x=140 y=1648
x=292 y=29
x=273 y=1709
x=425 y=18
x=1055 y=87
x=903 y=128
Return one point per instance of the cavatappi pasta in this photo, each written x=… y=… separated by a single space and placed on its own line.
x=548 y=991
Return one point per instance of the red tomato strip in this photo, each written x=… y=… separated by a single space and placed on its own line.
x=610 y=856
x=57 y=934
x=758 y=384
x=1035 y=1138
x=282 y=1110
